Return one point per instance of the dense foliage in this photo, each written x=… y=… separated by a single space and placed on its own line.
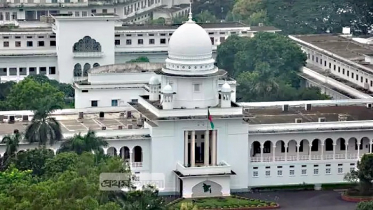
x=265 y=67
x=365 y=205
x=294 y=16
x=141 y=59
x=33 y=91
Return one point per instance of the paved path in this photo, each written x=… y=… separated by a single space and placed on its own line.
x=305 y=200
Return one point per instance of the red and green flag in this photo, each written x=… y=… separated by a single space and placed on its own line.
x=210 y=119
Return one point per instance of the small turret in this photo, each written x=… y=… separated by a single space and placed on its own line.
x=154 y=88
x=226 y=92
x=168 y=93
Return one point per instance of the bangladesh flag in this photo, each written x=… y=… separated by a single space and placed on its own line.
x=210 y=119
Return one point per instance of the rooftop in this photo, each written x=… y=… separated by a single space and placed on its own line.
x=127 y=68
x=70 y=122
x=331 y=113
x=203 y=25
x=344 y=47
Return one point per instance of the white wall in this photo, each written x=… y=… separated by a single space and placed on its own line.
x=105 y=96
x=71 y=30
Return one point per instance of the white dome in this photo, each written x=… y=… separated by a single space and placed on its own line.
x=154 y=81
x=226 y=88
x=190 y=41
x=190 y=51
x=168 y=89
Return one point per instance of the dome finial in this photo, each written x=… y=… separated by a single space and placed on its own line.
x=190 y=11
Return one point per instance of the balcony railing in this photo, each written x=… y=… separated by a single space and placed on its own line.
x=137 y=164
x=350 y=156
x=88 y=54
x=222 y=168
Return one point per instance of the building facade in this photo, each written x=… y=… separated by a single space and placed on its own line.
x=65 y=47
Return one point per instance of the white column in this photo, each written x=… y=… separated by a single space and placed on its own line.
x=118 y=151
x=310 y=154
x=286 y=152
x=298 y=145
x=192 y=149
x=186 y=148
x=334 y=145
x=358 y=149
x=261 y=152
x=370 y=146
x=346 y=150
x=131 y=157
x=207 y=148
x=322 y=151
x=213 y=148
x=274 y=154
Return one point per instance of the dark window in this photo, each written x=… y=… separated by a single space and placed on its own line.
x=151 y=34
x=29 y=43
x=151 y=41
x=117 y=35
x=104 y=11
x=315 y=145
x=22 y=71
x=94 y=103
x=32 y=70
x=52 y=43
x=128 y=42
x=348 y=73
x=117 y=42
x=6 y=44
x=140 y=41
x=43 y=70
x=84 y=91
x=29 y=37
x=163 y=34
x=87 y=44
x=93 y=11
x=40 y=43
x=17 y=37
x=328 y=145
x=41 y=37
x=342 y=144
x=18 y=44
x=52 y=70
x=163 y=41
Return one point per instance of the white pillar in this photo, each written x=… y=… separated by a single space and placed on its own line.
x=286 y=152
x=118 y=151
x=358 y=150
x=207 y=148
x=322 y=151
x=213 y=148
x=192 y=149
x=186 y=148
x=346 y=147
x=370 y=147
x=334 y=145
x=310 y=154
x=131 y=157
x=274 y=154
x=261 y=152
x=298 y=145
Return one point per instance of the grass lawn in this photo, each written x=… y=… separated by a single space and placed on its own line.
x=223 y=202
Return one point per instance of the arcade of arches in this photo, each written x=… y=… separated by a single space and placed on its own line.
x=134 y=155
x=316 y=149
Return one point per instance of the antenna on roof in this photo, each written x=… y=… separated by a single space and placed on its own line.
x=190 y=11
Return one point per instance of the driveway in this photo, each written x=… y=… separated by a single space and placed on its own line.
x=305 y=200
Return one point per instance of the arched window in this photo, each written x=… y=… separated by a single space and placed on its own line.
x=137 y=154
x=87 y=44
x=77 y=70
x=87 y=66
x=328 y=145
x=96 y=65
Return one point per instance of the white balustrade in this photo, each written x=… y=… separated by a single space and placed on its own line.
x=137 y=164
x=340 y=156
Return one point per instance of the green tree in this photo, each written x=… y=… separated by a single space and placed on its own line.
x=145 y=199
x=12 y=144
x=5 y=89
x=188 y=206
x=367 y=205
x=87 y=143
x=205 y=17
x=67 y=89
x=159 y=21
x=219 y=8
x=43 y=128
x=179 y=20
x=31 y=95
x=141 y=59
x=252 y=12
x=34 y=159
x=365 y=174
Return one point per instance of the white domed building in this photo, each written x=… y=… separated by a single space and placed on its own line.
x=189 y=95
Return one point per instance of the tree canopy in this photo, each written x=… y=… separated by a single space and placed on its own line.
x=68 y=181
x=266 y=68
x=302 y=17
x=142 y=59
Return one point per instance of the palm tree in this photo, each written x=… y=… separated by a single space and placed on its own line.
x=12 y=143
x=43 y=128
x=87 y=143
